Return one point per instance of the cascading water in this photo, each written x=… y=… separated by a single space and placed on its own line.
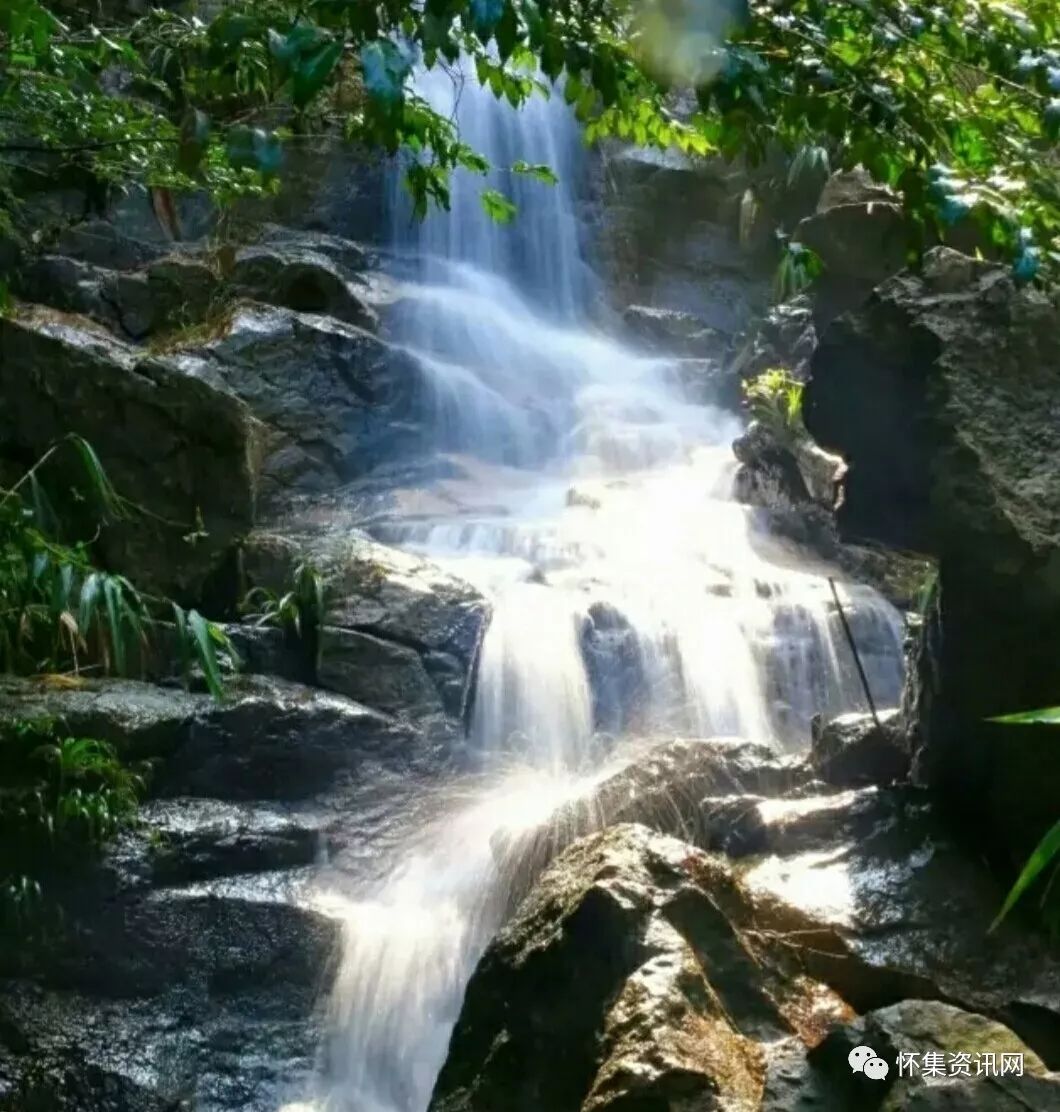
x=632 y=596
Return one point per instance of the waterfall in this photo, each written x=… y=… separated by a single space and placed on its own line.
x=632 y=595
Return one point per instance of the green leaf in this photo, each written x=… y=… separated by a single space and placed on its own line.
x=1046 y=850
x=180 y=621
x=115 y=622
x=313 y=71
x=1050 y=716
x=202 y=640
x=536 y=170
x=498 y=207
x=91 y=591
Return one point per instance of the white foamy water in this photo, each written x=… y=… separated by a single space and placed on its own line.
x=632 y=595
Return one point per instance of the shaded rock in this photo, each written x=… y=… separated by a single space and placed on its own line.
x=341 y=399
x=268 y=740
x=200 y=839
x=100 y=243
x=947 y=417
x=381 y=674
x=173 y=444
x=859 y=232
x=853 y=749
x=785 y=336
x=299 y=278
x=65 y=1082
x=673 y=332
x=666 y=233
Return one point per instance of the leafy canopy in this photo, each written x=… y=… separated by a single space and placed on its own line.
x=956 y=103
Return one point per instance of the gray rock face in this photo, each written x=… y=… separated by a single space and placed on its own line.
x=667 y=235
x=947 y=416
x=173 y=444
x=187 y=965
x=268 y=740
x=341 y=399
x=853 y=750
x=400 y=634
x=673 y=332
x=300 y=278
x=859 y=232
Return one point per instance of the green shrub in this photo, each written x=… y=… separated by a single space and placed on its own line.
x=774 y=399
x=58 y=611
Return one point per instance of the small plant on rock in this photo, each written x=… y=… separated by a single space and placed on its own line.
x=299 y=611
x=62 y=799
x=774 y=399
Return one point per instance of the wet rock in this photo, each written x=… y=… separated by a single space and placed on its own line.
x=65 y=1082
x=663 y=789
x=856 y=749
x=950 y=1059
x=100 y=243
x=377 y=590
x=379 y=673
x=668 y=994
x=340 y=399
x=666 y=233
x=612 y=654
x=192 y=840
x=268 y=739
x=785 y=336
x=672 y=332
x=870 y=887
x=948 y=421
x=352 y=258
x=170 y=443
x=297 y=277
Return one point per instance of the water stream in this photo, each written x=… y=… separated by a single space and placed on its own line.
x=633 y=597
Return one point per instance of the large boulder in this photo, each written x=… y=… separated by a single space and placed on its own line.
x=341 y=399
x=399 y=633
x=298 y=277
x=941 y=392
x=173 y=444
x=859 y=232
x=667 y=997
x=268 y=739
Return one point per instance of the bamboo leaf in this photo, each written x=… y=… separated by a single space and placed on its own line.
x=1046 y=850
x=89 y=601
x=205 y=650
x=115 y=622
x=1050 y=716
x=180 y=620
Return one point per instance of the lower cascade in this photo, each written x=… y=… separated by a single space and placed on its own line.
x=634 y=600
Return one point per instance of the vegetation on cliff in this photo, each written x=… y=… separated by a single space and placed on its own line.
x=955 y=103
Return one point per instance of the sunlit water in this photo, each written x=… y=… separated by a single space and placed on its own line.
x=632 y=596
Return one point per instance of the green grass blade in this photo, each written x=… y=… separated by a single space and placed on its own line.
x=89 y=602
x=1046 y=850
x=180 y=620
x=109 y=503
x=1050 y=716
x=205 y=650
x=115 y=622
